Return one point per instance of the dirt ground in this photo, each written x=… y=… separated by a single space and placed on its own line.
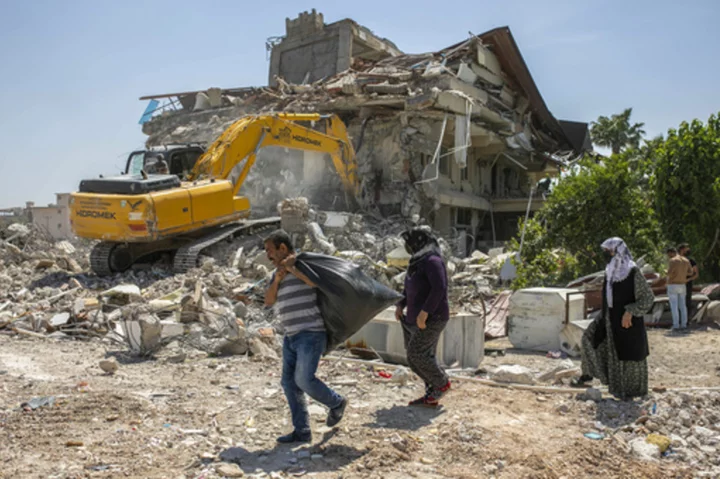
x=158 y=419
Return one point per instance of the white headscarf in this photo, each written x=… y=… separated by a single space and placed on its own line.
x=619 y=266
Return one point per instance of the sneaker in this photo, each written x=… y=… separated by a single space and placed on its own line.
x=437 y=394
x=295 y=437
x=336 y=415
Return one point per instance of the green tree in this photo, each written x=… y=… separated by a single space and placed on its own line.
x=592 y=203
x=616 y=132
x=686 y=187
x=541 y=264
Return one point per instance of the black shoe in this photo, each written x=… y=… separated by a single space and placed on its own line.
x=581 y=382
x=336 y=415
x=295 y=437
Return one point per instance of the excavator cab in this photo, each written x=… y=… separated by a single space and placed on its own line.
x=180 y=159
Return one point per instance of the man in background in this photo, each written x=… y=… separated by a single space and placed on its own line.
x=684 y=250
x=679 y=270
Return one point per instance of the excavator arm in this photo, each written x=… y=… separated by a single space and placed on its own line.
x=233 y=154
x=138 y=216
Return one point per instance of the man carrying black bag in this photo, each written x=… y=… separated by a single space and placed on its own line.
x=295 y=299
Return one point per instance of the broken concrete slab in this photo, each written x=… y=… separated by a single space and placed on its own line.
x=260 y=350
x=559 y=369
x=227 y=347
x=124 y=292
x=644 y=450
x=57 y=320
x=143 y=334
x=65 y=246
x=171 y=328
x=513 y=374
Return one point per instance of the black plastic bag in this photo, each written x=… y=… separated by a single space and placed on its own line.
x=348 y=299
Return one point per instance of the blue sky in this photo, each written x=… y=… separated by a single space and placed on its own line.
x=72 y=71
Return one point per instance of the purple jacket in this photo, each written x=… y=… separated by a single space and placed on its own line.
x=426 y=290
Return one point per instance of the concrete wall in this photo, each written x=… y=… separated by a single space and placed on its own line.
x=315 y=61
x=444 y=220
x=313 y=50
x=55 y=220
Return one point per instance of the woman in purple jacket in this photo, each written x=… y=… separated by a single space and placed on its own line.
x=425 y=296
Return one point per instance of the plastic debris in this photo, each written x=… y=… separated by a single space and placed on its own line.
x=38 y=402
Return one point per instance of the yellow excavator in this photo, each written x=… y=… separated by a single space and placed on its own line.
x=134 y=216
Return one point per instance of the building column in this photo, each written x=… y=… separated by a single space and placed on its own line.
x=475 y=227
x=275 y=55
x=345 y=43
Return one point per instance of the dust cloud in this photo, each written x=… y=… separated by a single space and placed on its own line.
x=281 y=173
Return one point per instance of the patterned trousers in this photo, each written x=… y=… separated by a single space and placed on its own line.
x=421 y=345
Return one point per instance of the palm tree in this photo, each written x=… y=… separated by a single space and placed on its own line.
x=616 y=132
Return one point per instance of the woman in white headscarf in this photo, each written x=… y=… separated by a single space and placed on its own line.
x=615 y=346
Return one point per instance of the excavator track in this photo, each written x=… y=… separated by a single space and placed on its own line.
x=100 y=258
x=186 y=257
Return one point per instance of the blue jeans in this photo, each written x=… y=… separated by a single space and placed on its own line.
x=678 y=307
x=301 y=357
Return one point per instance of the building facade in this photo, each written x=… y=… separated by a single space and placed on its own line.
x=460 y=137
x=54 y=219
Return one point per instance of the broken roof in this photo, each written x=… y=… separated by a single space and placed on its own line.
x=486 y=69
x=513 y=64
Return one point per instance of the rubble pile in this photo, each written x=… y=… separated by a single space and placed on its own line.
x=46 y=290
x=27 y=246
x=678 y=426
x=375 y=244
x=46 y=287
x=466 y=72
x=403 y=113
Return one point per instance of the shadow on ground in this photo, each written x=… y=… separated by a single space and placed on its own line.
x=126 y=357
x=405 y=418
x=307 y=458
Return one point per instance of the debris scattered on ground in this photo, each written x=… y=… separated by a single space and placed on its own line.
x=46 y=288
x=513 y=374
x=110 y=366
x=675 y=426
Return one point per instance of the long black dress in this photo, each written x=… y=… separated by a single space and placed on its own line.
x=615 y=355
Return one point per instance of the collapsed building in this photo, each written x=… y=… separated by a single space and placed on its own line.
x=460 y=137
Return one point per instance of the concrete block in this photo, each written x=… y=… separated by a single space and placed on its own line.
x=171 y=328
x=513 y=374
x=488 y=59
x=571 y=337
x=536 y=317
x=462 y=342
x=459 y=84
x=144 y=334
x=466 y=74
x=485 y=74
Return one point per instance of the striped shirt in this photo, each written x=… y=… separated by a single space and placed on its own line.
x=296 y=306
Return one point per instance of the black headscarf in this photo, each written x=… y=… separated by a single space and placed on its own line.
x=419 y=243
